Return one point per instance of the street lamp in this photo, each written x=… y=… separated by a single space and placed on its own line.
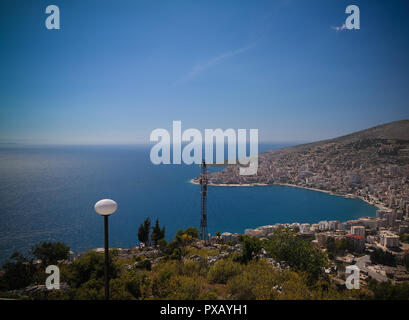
x=105 y=208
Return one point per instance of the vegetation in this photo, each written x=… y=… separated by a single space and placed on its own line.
x=299 y=254
x=338 y=247
x=388 y=291
x=251 y=249
x=144 y=231
x=383 y=257
x=51 y=252
x=18 y=272
x=404 y=237
x=157 y=233
x=184 y=269
x=223 y=271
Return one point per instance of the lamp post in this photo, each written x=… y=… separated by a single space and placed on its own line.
x=105 y=208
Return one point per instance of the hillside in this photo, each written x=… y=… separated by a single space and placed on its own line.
x=372 y=164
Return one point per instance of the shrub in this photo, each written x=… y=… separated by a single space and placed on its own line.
x=131 y=285
x=194 y=268
x=300 y=255
x=223 y=270
x=91 y=266
x=251 y=248
x=144 y=264
x=383 y=257
x=51 y=252
x=256 y=281
x=19 y=272
x=260 y=281
x=91 y=290
x=211 y=295
x=185 y=288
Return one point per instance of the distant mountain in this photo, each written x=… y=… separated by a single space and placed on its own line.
x=397 y=130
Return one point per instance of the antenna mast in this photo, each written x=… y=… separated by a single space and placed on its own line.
x=203 y=190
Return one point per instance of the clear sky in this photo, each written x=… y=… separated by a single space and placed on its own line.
x=116 y=70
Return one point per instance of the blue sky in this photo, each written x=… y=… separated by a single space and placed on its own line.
x=116 y=70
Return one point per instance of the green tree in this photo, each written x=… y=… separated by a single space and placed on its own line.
x=91 y=267
x=185 y=237
x=190 y=231
x=144 y=231
x=299 y=254
x=388 y=291
x=51 y=252
x=251 y=248
x=157 y=233
x=18 y=272
x=338 y=247
x=383 y=257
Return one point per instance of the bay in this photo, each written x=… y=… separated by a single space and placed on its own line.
x=47 y=193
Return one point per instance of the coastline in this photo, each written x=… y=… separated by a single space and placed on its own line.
x=348 y=196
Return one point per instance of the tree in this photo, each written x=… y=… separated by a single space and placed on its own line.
x=51 y=252
x=383 y=257
x=18 y=273
x=388 y=291
x=157 y=233
x=251 y=248
x=91 y=267
x=144 y=231
x=299 y=254
x=185 y=237
x=192 y=232
x=337 y=247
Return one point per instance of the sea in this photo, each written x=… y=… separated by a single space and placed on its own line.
x=47 y=193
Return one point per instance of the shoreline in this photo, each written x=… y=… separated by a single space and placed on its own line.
x=348 y=196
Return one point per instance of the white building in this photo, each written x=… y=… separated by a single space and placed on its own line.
x=323 y=225
x=305 y=228
x=389 y=240
x=266 y=230
x=369 y=223
x=333 y=225
x=230 y=237
x=358 y=230
x=253 y=233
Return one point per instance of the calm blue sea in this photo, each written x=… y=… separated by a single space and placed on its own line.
x=48 y=193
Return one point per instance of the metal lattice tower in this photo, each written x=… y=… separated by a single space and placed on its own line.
x=203 y=211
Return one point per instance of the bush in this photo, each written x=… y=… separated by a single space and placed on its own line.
x=130 y=286
x=389 y=291
x=383 y=257
x=185 y=237
x=256 y=281
x=194 y=268
x=19 y=272
x=91 y=290
x=260 y=281
x=144 y=264
x=251 y=249
x=176 y=254
x=299 y=254
x=185 y=288
x=91 y=266
x=51 y=252
x=223 y=270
